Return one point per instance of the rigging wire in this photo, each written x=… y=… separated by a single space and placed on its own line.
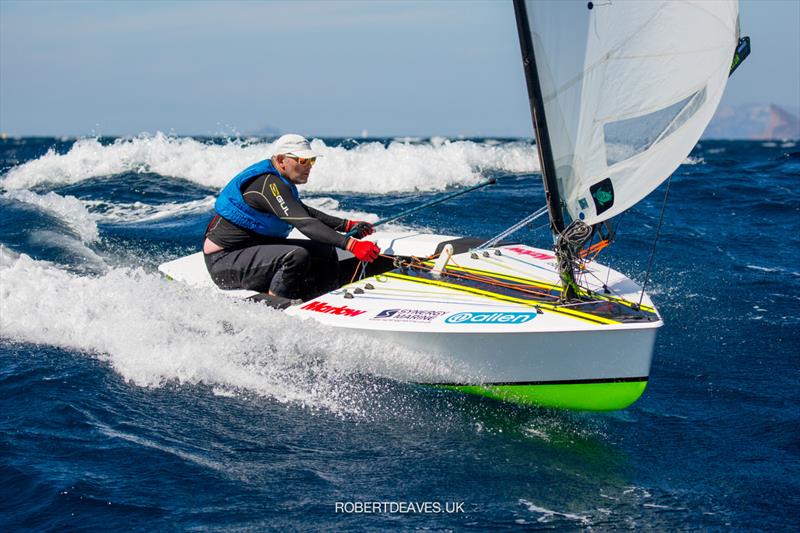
x=616 y=229
x=513 y=229
x=490 y=181
x=658 y=232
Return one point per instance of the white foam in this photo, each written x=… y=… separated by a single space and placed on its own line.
x=154 y=332
x=67 y=208
x=536 y=432
x=332 y=207
x=762 y=269
x=202 y=460
x=368 y=168
x=74 y=252
x=7 y=257
x=83 y=216
x=203 y=163
x=402 y=167
x=137 y=212
x=637 y=491
x=547 y=515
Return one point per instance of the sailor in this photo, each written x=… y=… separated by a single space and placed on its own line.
x=246 y=245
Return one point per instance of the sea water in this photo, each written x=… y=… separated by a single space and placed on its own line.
x=128 y=401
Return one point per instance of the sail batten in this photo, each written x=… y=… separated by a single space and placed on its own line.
x=627 y=88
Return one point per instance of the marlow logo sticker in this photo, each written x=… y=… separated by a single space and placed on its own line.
x=531 y=253
x=328 y=309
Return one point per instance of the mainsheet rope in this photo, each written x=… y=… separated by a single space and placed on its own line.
x=490 y=181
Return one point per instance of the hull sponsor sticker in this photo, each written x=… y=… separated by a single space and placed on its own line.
x=529 y=253
x=490 y=318
x=328 y=309
x=408 y=315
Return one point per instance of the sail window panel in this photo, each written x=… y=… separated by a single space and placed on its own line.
x=629 y=137
x=698 y=99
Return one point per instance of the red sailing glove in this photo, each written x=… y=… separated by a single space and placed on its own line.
x=362 y=228
x=363 y=250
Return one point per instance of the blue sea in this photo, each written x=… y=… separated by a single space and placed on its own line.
x=128 y=401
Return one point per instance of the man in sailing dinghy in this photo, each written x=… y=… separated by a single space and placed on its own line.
x=245 y=243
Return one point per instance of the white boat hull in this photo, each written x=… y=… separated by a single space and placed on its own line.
x=556 y=357
x=492 y=315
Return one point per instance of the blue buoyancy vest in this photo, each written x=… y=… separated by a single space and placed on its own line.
x=231 y=205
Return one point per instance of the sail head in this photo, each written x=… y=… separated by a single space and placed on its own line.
x=627 y=88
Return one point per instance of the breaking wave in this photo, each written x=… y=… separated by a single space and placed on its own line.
x=370 y=167
x=66 y=208
x=176 y=334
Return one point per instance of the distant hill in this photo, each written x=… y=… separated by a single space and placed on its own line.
x=753 y=122
x=266 y=131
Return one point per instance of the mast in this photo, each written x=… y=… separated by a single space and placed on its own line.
x=565 y=249
x=539 y=120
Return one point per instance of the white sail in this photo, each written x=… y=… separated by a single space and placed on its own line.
x=628 y=86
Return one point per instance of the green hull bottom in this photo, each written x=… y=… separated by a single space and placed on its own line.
x=578 y=396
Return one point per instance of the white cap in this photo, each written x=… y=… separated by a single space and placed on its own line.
x=293 y=144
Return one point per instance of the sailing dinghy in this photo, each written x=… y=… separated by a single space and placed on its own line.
x=620 y=92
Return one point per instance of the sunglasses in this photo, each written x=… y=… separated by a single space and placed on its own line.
x=302 y=160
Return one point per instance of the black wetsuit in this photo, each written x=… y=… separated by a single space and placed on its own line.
x=291 y=268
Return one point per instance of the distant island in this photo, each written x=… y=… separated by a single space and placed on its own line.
x=750 y=122
x=266 y=131
x=753 y=122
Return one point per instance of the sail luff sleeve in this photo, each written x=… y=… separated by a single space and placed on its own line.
x=538 y=117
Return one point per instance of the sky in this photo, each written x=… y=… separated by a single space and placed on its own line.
x=323 y=68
